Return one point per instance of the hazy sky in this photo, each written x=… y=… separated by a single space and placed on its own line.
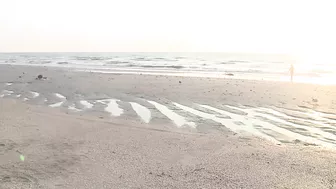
x=271 y=26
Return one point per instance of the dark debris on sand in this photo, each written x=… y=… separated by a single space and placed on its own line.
x=39 y=77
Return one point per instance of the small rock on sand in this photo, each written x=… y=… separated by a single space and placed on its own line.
x=39 y=77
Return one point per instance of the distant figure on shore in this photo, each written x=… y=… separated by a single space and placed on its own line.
x=291 y=70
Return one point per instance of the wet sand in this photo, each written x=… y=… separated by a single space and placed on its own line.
x=90 y=130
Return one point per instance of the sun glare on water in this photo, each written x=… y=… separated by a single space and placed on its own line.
x=316 y=67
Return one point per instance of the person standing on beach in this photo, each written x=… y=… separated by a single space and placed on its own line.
x=291 y=70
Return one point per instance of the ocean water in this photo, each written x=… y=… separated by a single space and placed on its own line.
x=221 y=65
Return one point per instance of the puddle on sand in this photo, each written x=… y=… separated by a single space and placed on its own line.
x=35 y=94
x=271 y=124
x=316 y=115
x=253 y=121
x=228 y=123
x=310 y=133
x=60 y=96
x=284 y=119
x=85 y=103
x=58 y=104
x=177 y=119
x=5 y=93
x=112 y=107
x=143 y=112
x=73 y=108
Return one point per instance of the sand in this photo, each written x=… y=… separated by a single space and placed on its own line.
x=94 y=148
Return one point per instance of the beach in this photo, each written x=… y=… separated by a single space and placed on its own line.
x=82 y=129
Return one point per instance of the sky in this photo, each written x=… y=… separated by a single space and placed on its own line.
x=253 y=26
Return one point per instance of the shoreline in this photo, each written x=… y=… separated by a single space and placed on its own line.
x=255 y=84
x=279 y=77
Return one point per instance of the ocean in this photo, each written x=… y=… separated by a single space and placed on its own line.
x=219 y=65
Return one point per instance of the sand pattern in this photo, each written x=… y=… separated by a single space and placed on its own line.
x=276 y=124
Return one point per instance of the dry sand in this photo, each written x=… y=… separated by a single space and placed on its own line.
x=65 y=149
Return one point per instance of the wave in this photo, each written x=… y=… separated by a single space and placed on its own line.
x=308 y=74
x=323 y=71
x=229 y=62
x=10 y=61
x=62 y=63
x=89 y=58
x=194 y=67
x=117 y=62
x=154 y=59
x=242 y=66
x=160 y=59
x=165 y=59
x=40 y=62
x=143 y=59
x=237 y=61
x=155 y=66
